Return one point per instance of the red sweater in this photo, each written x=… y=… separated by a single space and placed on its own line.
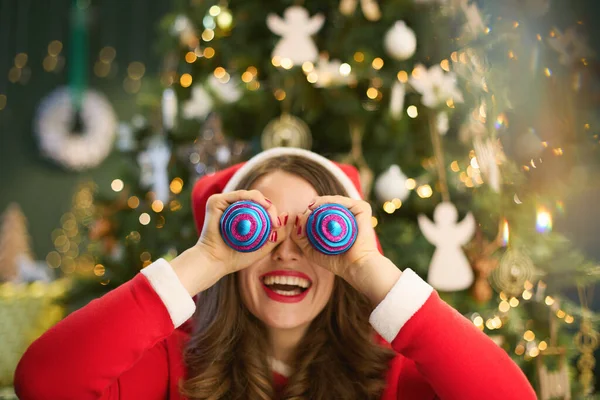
x=125 y=345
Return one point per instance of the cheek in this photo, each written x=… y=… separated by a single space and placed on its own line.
x=326 y=281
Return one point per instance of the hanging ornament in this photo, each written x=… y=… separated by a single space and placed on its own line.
x=400 y=41
x=169 y=109
x=485 y=150
x=331 y=73
x=435 y=85
x=514 y=270
x=449 y=269
x=474 y=25
x=60 y=139
x=286 y=131
x=199 y=105
x=480 y=252
x=125 y=141
x=397 y=100
x=226 y=90
x=370 y=8
x=442 y=123
x=295 y=30
x=212 y=150
x=391 y=185
x=153 y=163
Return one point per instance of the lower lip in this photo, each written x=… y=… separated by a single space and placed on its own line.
x=284 y=299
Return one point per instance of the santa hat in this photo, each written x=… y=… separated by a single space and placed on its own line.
x=227 y=180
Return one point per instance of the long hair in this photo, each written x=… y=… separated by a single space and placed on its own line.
x=226 y=356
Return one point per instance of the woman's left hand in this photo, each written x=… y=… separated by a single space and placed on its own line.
x=364 y=247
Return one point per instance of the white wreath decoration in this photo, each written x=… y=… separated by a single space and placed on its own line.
x=77 y=151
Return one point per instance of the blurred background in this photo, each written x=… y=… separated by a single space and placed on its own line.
x=110 y=110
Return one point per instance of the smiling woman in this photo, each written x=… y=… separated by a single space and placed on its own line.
x=286 y=321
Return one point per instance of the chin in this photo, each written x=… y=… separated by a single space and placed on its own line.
x=283 y=319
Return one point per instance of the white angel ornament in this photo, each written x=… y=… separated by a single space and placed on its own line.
x=296 y=29
x=449 y=269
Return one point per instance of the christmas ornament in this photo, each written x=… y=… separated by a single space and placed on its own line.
x=400 y=41
x=485 y=150
x=296 y=30
x=153 y=163
x=435 y=85
x=125 y=141
x=169 y=109
x=370 y=8
x=571 y=46
x=212 y=150
x=199 y=105
x=442 y=122
x=514 y=270
x=245 y=226
x=449 y=269
x=331 y=229
x=228 y=91
x=286 y=131
x=474 y=25
x=330 y=73
x=55 y=121
x=397 y=100
x=391 y=185
x=480 y=252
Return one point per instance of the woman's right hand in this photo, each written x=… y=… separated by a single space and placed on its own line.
x=211 y=258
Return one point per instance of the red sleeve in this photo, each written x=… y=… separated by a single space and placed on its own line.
x=90 y=354
x=457 y=359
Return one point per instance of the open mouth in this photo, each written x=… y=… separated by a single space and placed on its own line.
x=286 y=288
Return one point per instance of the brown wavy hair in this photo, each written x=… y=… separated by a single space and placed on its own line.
x=226 y=356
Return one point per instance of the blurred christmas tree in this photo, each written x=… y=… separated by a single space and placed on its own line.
x=487 y=117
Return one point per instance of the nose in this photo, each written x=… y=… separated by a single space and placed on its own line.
x=287 y=250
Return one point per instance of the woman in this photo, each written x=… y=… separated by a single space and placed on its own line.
x=258 y=335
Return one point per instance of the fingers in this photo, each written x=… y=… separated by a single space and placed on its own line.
x=355 y=206
x=224 y=200
x=298 y=233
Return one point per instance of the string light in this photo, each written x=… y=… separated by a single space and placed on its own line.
x=412 y=111
x=402 y=76
x=424 y=191
x=543 y=220
x=117 y=185
x=144 y=218
x=410 y=184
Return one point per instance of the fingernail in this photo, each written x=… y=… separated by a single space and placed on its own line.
x=300 y=231
x=285 y=220
x=311 y=204
x=268 y=201
x=296 y=221
x=278 y=222
x=273 y=237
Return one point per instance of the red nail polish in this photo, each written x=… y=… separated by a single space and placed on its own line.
x=300 y=231
x=311 y=204
x=271 y=236
x=296 y=221
x=278 y=222
x=275 y=236
x=268 y=201
x=285 y=220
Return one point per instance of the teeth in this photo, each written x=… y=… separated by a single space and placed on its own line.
x=294 y=292
x=286 y=280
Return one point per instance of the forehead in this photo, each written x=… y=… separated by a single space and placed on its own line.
x=288 y=192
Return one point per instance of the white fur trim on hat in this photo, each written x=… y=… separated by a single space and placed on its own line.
x=283 y=151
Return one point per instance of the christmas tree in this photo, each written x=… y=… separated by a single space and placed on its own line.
x=449 y=112
x=14 y=243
